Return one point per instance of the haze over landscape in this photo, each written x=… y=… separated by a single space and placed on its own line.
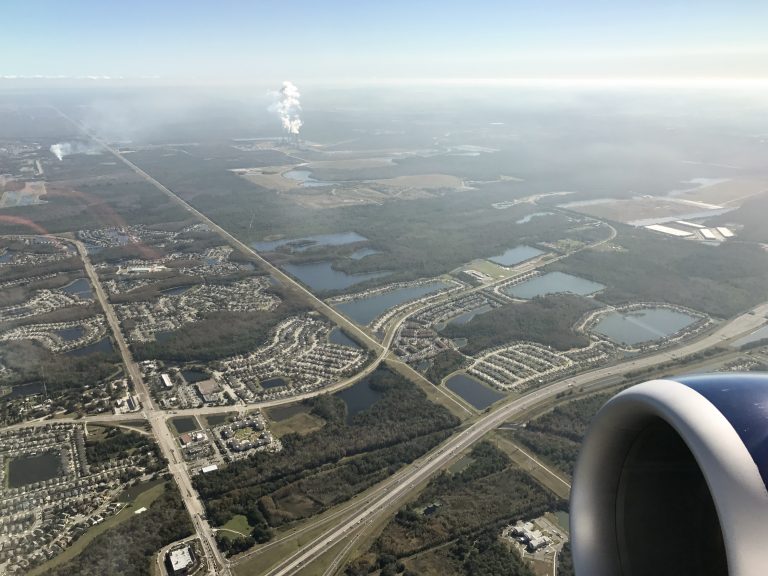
x=337 y=288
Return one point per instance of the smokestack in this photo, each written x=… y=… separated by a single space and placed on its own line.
x=58 y=151
x=287 y=105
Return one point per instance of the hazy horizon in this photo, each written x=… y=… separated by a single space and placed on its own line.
x=430 y=42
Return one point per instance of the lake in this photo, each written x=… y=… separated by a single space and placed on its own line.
x=552 y=283
x=338 y=336
x=473 y=391
x=358 y=397
x=306 y=242
x=30 y=469
x=365 y=310
x=80 y=287
x=103 y=346
x=321 y=276
x=516 y=255
x=642 y=325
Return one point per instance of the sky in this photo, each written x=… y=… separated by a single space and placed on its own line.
x=359 y=41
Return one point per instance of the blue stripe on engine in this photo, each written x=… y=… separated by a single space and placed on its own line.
x=743 y=400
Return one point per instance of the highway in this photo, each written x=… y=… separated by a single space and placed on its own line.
x=440 y=457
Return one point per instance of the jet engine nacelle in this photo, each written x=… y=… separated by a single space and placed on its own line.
x=671 y=481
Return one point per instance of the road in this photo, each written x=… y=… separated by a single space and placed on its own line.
x=440 y=457
x=156 y=418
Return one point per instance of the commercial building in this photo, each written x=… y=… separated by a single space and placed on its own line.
x=180 y=560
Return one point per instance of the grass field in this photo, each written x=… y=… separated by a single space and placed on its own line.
x=239 y=524
x=142 y=496
x=300 y=423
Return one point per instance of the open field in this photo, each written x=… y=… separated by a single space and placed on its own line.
x=300 y=423
x=636 y=209
x=731 y=193
x=238 y=523
x=29 y=194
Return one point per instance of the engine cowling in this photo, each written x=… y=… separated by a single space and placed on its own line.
x=671 y=480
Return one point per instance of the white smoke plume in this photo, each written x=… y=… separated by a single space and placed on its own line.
x=67 y=148
x=288 y=106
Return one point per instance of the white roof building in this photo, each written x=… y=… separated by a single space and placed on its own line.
x=669 y=230
x=181 y=559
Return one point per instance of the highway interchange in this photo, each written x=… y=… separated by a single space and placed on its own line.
x=349 y=522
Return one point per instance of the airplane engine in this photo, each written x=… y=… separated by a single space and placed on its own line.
x=671 y=481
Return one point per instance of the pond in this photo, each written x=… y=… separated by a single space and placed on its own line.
x=24 y=390
x=321 y=276
x=192 y=376
x=80 y=287
x=70 y=334
x=103 y=346
x=184 y=424
x=306 y=242
x=30 y=469
x=642 y=325
x=175 y=291
x=358 y=397
x=473 y=391
x=552 y=283
x=365 y=310
x=465 y=317
x=272 y=383
x=516 y=255
x=338 y=336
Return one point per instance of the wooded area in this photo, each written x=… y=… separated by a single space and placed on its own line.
x=327 y=466
x=547 y=320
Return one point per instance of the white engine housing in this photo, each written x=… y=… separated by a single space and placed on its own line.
x=671 y=481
